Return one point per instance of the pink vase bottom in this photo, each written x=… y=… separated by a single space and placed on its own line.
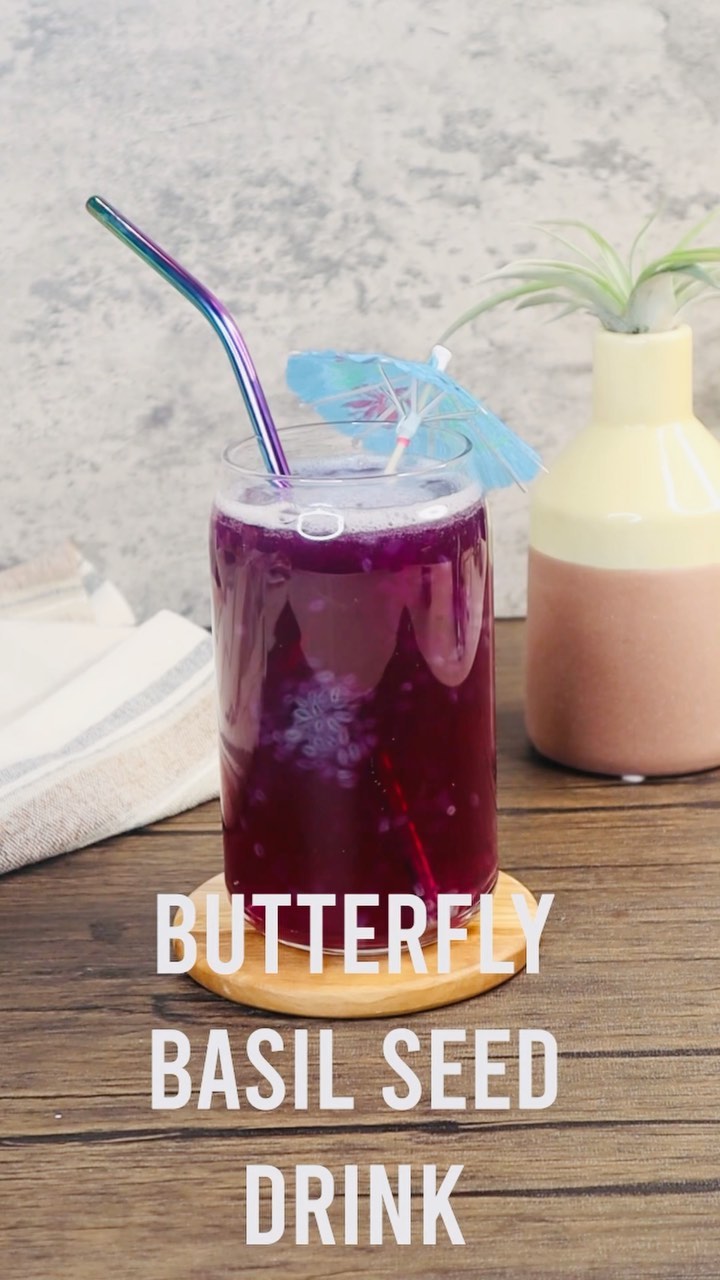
x=623 y=667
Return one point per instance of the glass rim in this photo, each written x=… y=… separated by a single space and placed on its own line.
x=261 y=473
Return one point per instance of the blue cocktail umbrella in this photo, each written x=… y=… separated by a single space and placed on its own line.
x=414 y=399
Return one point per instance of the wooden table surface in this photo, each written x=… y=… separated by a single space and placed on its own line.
x=619 y=1179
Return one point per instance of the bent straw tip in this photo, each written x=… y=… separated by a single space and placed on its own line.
x=96 y=206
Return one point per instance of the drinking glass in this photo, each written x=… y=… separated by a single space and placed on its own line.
x=353 y=627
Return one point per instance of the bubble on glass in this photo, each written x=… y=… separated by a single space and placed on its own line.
x=320 y=523
x=436 y=512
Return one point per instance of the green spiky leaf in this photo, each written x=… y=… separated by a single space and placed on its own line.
x=596 y=279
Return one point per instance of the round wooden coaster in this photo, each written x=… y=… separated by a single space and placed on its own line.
x=336 y=994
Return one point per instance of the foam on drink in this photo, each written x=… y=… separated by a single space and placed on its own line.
x=358 y=491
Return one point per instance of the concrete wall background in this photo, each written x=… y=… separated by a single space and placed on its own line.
x=341 y=172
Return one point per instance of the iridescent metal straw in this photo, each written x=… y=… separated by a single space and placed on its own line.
x=220 y=319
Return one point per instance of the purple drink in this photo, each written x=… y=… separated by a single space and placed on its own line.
x=354 y=651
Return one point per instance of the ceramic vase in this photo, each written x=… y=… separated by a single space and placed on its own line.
x=623 y=643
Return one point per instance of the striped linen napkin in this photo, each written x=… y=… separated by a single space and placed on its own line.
x=104 y=725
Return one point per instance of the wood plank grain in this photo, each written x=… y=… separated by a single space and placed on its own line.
x=158 y=1208
x=620 y=1178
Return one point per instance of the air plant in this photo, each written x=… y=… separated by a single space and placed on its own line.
x=624 y=295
